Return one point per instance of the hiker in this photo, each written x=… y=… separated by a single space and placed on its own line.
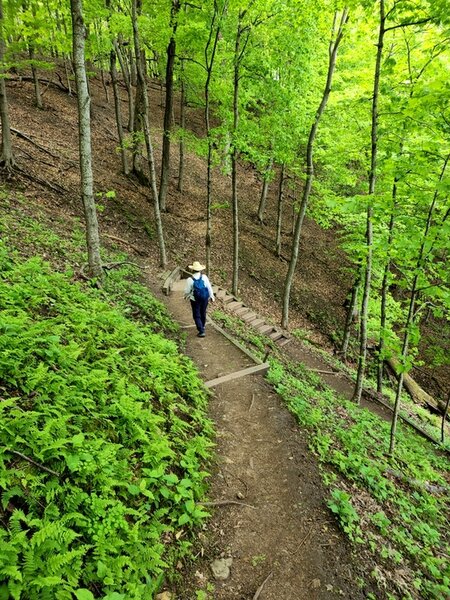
x=199 y=291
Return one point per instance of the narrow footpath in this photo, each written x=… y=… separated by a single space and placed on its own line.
x=271 y=535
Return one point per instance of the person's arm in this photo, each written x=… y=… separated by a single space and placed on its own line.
x=208 y=285
x=188 y=287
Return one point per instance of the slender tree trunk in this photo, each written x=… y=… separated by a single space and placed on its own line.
x=105 y=87
x=132 y=68
x=280 y=212
x=264 y=190
x=84 y=128
x=168 y=109
x=234 y=159
x=37 y=87
x=127 y=80
x=369 y=233
x=142 y=83
x=410 y=319
x=118 y=111
x=213 y=38
x=384 y=292
x=66 y=70
x=350 y=315
x=7 y=160
x=182 y=126
x=140 y=102
x=332 y=53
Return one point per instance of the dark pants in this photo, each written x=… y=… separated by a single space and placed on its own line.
x=199 y=313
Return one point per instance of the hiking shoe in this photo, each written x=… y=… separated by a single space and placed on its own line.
x=201 y=334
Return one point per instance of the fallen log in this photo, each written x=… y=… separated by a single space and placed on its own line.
x=419 y=395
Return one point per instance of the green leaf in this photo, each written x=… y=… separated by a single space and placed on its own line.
x=183 y=519
x=84 y=594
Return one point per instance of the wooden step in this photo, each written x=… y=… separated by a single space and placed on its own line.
x=250 y=316
x=264 y=367
x=226 y=299
x=265 y=328
x=276 y=335
x=257 y=322
x=234 y=305
x=240 y=312
x=283 y=341
x=215 y=289
x=221 y=294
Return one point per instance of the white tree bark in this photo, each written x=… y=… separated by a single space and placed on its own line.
x=6 y=158
x=84 y=130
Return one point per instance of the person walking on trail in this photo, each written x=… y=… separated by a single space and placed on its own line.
x=199 y=291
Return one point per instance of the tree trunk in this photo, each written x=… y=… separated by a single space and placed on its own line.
x=418 y=394
x=142 y=83
x=118 y=111
x=364 y=309
x=165 y=159
x=384 y=292
x=369 y=235
x=264 y=191
x=66 y=69
x=37 y=88
x=140 y=103
x=127 y=80
x=332 y=53
x=105 y=87
x=214 y=32
x=234 y=159
x=280 y=212
x=182 y=126
x=84 y=128
x=132 y=68
x=351 y=315
x=7 y=160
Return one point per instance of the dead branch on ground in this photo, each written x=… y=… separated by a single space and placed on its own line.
x=118 y=239
x=55 y=187
x=33 y=462
x=225 y=503
x=260 y=589
x=28 y=139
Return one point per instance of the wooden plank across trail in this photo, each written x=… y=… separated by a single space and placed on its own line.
x=231 y=376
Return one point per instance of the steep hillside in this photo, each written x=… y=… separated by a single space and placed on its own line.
x=48 y=152
x=46 y=149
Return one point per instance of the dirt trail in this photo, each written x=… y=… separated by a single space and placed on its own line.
x=262 y=461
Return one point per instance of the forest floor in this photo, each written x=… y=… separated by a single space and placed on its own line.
x=262 y=456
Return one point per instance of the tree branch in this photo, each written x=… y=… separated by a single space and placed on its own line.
x=419 y=22
x=33 y=462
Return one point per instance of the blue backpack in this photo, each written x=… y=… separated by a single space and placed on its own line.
x=200 y=290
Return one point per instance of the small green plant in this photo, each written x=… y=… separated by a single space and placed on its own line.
x=341 y=506
x=258 y=559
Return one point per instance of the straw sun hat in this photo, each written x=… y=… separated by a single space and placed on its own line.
x=196 y=266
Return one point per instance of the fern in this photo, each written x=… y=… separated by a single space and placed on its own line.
x=91 y=395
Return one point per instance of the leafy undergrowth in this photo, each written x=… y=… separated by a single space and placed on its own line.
x=394 y=509
x=103 y=432
x=423 y=418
